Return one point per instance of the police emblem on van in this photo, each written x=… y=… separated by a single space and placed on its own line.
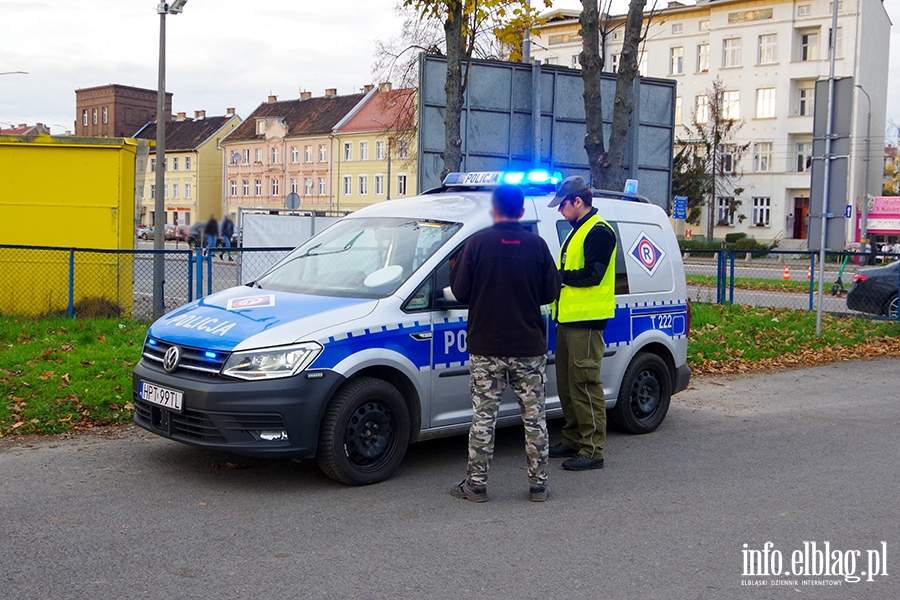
x=647 y=253
x=171 y=359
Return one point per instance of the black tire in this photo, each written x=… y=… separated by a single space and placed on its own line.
x=644 y=395
x=191 y=244
x=890 y=307
x=144 y=236
x=364 y=433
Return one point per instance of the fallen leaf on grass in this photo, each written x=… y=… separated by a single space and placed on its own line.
x=18 y=424
x=67 y=347
x=66 y=378
x=114 y=406
x=129 y=406
x=47 y=375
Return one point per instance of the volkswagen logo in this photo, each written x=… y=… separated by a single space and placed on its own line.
x=171 y=359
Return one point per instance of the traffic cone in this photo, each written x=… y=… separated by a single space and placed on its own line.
x=808 y=273
x=787 y=274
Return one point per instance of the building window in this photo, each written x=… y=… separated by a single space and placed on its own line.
x=245 y=187
x=678 y=110
x=321 y=186
x=379 y=185
x=379 y=150
x=364 y=151
x=84 y=118
x=762 y=157
x=703 y=58
x=295 y=155
x=165 y=164
x=174 y=191
x=323 y=156
x=235 y=158
x=724 y=215
x=187 y=163
x=166 y=192
x=701 y=109
x=94 y=116
x=806 y=101
x=642 y=64
x=245 y=153
x=765 y=103
x=728 y=158
x=260 y=126
x=731 y=52
x=105 y=115
x=174 y=163
x=363 y=185
x=831 y=7
x=152 y=165
x=768 y=49
x=676 y=60
x=152 y=192
x=187 y=217
x=704 y=25
x=187 y=191
x=552 y=60
x=838 y=52
x=804 y=157
x=761 y=208
x=403 y=149
x=258 y=156
x=308 y=186
x=731 y=101
x=677 y=28
x=804 y=10
x=293 y=185
x=576 y=64
x=258 y=183
x=348 y=185
x=274 y=186
x=401 y=185
x=141 y=193
x=348 y=151
x=307 y=154
x=613 y=63
x=274 y=156
x=809 y=46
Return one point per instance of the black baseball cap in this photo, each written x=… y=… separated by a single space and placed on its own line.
x=570 y=186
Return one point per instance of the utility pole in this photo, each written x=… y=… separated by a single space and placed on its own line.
x=864 y=209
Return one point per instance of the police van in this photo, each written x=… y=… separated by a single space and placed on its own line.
x=352 y=346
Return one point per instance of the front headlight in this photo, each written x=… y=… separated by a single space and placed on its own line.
x=271 y=363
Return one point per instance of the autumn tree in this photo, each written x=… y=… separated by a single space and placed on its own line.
x=891 y=185
x=709 y=149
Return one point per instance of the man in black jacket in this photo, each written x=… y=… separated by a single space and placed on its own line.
x=227 y=232
x=505 y=275
x=211 y=233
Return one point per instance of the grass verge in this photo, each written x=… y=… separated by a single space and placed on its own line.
x=58 y=374
x=759 y=284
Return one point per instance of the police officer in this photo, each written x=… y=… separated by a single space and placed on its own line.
x=587 y=261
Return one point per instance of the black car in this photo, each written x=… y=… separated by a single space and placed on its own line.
x=875 y=291
x=195 y=235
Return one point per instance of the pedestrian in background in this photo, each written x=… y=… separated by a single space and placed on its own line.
x=227 y=232
x=587 y=261
x=505 y=275
x=212 y=234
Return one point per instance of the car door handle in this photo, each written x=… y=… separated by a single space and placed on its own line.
x=425 y=335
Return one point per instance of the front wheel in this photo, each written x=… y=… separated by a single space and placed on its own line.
x=644 y=395
x=191 y=244
x=890 y=307
x=365 y=432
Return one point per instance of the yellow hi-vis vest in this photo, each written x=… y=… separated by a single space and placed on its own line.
x=585 y=303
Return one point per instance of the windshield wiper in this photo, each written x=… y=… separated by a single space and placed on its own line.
x=255 y=284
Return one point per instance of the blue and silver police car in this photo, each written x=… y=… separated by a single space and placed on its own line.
x=352 y=346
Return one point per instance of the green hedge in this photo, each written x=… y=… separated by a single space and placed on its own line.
x=743 y=244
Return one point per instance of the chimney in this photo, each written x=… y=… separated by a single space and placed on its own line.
x=181 y=116
x=330 y=92
x=368 y=88
x=305 y=95
x=199 y=114
x=272 y=98
x=384 y=87
x=229 y=112
x=23 y=125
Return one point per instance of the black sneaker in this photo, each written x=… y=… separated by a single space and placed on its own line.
x=561 y=450
x=580 y=462
x=538 y=493
x=472 y=493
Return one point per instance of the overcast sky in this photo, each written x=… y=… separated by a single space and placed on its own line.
x=221 y=53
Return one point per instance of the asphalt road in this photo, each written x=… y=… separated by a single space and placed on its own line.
x=786 y=457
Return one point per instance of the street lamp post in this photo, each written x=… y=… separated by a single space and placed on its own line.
x=864 y=214
x=159 y=206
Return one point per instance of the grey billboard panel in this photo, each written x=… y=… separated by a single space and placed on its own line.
x=835 y=233
x=498 y=126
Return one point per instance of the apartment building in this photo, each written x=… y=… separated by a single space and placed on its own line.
x=115 y=110
x=769 y=56
x=282 y=147
x=192 y=164
x=376 y=155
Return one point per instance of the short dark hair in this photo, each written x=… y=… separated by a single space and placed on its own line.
x=586 y=195
x=508 y=200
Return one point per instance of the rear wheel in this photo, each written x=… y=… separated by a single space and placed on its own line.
x=644 y=395
x=890 y=307
x=191 y=244
x=365 y=432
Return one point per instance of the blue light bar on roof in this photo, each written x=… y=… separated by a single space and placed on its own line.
x=495 y=178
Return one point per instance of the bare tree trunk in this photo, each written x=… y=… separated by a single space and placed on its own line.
x=453 y=29
x=591 y=68
x=613 y=177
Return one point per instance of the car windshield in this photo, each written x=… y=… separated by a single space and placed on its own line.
x=359 y=258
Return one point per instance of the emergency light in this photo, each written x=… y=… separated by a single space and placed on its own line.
x=495 y=178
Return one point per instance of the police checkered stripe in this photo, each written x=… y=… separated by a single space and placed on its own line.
x=358 y=333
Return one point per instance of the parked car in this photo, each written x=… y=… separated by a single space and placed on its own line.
x=141 y=231
x=182 y=232
x=875 y=290
x=146 y=233
x=195 y=235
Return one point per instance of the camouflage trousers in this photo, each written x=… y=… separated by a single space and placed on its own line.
x=489 y=377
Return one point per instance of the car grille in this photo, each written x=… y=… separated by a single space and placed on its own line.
x=208 y=427
x=192 y=359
